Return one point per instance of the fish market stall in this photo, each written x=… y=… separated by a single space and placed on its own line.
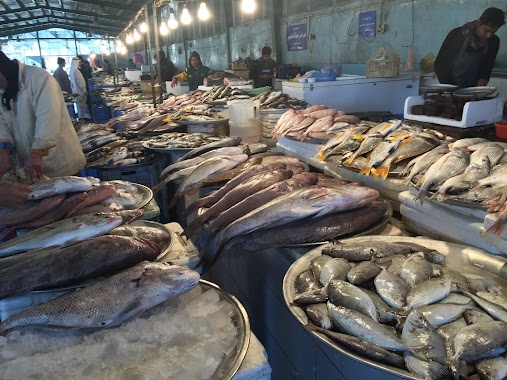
x=355 y=93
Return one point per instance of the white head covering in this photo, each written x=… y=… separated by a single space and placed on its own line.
x=77 y=80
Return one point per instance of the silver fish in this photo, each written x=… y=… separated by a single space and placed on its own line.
x=64 y=232
x=112 y=300
x=421 y=163
x=391 y=288
x=362 y=272
x=334 y=269
x=342 y=293
x=415 y=270
x=441 y=313
x=59 y=185
x=424 y=369
x=306 y=281
x=319 y=315
x=418 y=332
x=317 y=263
x=492 y=369
x=365 y=328
x=428 y=292
x=497 y=312
x=476 y=316
x=449 y=331
x=385 y=312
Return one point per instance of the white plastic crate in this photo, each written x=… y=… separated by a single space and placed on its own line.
x=481 y=112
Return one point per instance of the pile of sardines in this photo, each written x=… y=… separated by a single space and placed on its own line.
x=398 y=303
x=60 y=198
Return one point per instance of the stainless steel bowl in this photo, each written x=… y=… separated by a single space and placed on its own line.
x=461 y=257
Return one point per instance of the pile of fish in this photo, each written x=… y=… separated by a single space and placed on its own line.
x=64 y=197
x=471 y=170
x=278 y=100
x=377 y=149
x=399 y=304
x=178 y=140
x=267 y=200
x=316 y=122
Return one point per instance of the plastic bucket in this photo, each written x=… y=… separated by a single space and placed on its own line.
x=501 y=130
x=249 y=131
x=101 y=113
x=242 y=111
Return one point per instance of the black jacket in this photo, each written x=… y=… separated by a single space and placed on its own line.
x=451 y=48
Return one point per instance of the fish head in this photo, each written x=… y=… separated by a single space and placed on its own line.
x=166 y=276
x=128 y=216
x=417 y=320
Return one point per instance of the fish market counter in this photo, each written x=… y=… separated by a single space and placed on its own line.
x=356 y=93
x=389 y=188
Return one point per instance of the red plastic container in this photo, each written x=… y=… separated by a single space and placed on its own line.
x=501 y=129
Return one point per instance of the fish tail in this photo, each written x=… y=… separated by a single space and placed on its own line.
x=366 y=170
x=194 y=225
x=383 y=171
x=194 y=206
x=321 y=155
x=420 y=195
x=349 y=160
x=174 y=200
x=497 y=227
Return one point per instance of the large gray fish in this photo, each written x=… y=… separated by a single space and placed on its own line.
x=324 y=228
x=111 y=301
x=154 y=234
x=447 y=166
x=311 y=201
x=449 y=331
x=369 y=350
x=250 y=203
x=214 y=197
x=228 y=141
x=496 y=311
x=391 y=288
x=334 y=269
x=206 y=168
x=475 y=340
x=367 y=251
x=59 y=185
x=441 y=313
x=67 y=231
x=251 y=186
x=304 y=282
x=363 y=271
x=415 y=270
x=87 y=259
x=319 y=315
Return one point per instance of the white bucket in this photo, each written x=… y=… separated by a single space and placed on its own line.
x=132 y=75
x=242 y=111
x=178 y=89
x=249 y=131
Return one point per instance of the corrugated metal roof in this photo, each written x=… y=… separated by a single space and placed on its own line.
x=90 y=16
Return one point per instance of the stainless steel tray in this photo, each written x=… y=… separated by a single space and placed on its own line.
x=148 y=145
x=450 y=201
x=166 y=246
x=474 y=92
x=464 y=258
x=202 y=122
x=144 y=195
x=231 y=363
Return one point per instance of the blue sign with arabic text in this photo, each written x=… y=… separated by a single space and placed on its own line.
x=297 y=37
x=368 y=24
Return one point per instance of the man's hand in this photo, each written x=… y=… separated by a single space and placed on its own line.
x=6 y=164
x=12 y=195
x=173 y=82
x=33 y=166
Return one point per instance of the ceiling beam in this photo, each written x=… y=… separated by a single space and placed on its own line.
x=66 y=10
x=62 y=18
x=122 y=6
x=48 y=25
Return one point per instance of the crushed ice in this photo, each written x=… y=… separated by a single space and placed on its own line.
x=184 y=338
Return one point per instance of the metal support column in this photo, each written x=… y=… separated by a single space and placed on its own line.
x=42 y=64
x=148 y=37
x=157 y=49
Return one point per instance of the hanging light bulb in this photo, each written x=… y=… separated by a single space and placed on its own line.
x=185 y=16
x=143 y=28
x=123 y=50
x=203 y=12
x=164 y=31
x=172 y=23
x=129 y=39
x=248 y=6
x=137 y=36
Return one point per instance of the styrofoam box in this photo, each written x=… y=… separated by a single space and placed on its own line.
x=476 y=113
x=133 y=75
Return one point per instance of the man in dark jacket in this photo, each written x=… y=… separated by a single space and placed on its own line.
x=167 y=69
x=468 y=53
x=61 y=76
x=263 y=69
x=194 y=74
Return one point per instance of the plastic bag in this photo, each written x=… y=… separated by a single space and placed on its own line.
x=427 y=63
x=332 y=69
x=386 y=52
